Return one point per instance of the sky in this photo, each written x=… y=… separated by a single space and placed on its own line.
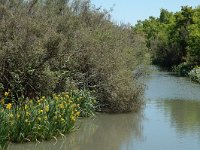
x=129 y=11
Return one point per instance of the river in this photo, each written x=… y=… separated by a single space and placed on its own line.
x=170 y=120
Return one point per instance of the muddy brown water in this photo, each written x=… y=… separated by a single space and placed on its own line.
x=169 y=121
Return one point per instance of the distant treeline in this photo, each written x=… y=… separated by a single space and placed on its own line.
x=173 y=38
x=51 y=46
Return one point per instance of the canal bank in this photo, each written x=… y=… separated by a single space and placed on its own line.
x=170 y=120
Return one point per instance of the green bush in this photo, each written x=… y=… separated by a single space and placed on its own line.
x=173 y=38
x=194 y=74
x=183 y=69
x=54 y=46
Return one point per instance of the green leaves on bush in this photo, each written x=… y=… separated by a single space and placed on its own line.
x=194 y=74
x=54 y=46
x=173 y=38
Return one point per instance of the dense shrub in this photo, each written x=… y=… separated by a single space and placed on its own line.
x=55 y=46
x=182 y=69
x=194 y=74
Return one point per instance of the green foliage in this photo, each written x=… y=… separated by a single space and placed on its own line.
x=194 y=74
x=193 y=51
x=178 y=36
x=173 y=38
x=157 y=33
x=54 y=46
x=182 y=69
x=42 y=118
x=183 y=113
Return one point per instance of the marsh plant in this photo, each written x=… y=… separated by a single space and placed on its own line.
x=42 y=118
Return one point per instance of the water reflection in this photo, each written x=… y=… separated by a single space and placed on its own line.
x=105 y=132
x=184 y=114
x=164 y=85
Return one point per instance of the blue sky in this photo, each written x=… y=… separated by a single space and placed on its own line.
x=129 y=11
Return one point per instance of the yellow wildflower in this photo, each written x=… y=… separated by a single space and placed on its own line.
x=61 y=106
x=6 y=94
x=67 y=96
x=78 y=113
x=26 y=107
x=41 y=111
x=27 y=114
x=73 y=118
x=9 y=106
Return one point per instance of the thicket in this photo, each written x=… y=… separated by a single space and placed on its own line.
x=174 y=38
x=52 y=46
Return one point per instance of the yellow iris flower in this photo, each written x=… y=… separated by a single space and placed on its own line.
x=9 y=106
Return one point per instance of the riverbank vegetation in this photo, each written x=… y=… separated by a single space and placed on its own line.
x=48 y=47
x=173 y=39
x=55 y=46
x=42 y=118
